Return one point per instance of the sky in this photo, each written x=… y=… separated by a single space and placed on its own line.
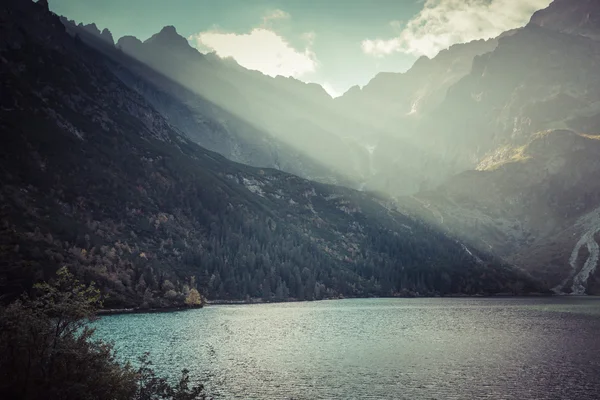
x=336 y=43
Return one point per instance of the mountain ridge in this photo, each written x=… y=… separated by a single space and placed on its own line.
x=94 y=178
x=492 y=142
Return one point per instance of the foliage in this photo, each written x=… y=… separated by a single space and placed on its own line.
x=48 y=351
x=151 y=387
x=193 y=298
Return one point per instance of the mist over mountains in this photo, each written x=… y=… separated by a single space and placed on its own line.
x=139 y=163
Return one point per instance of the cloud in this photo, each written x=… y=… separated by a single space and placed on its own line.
x=261 y=49
x=309 y=38
x=442 y=23
x=396 y=25
x=274 y=16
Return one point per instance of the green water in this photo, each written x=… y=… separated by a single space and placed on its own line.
x=511 y=348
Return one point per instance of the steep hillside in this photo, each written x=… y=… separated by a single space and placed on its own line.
x=392 y=97
x=536 y=206
x=292 y=112
x=526 y=118
x=358 y=141
x=399 y=134
x=536 y=79
x=205 y=122
x=445 y=115
x=580 y=17
x=96 y=179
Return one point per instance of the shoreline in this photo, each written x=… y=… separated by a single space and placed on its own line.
x=118 y=311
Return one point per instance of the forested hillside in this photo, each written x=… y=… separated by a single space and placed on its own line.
x=95 y=179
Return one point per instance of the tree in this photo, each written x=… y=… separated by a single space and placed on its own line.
x=194 y=299
x=48 y=351
x=151 y=387
x=167 y=285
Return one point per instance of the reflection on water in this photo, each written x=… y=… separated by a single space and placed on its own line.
x=535 y=348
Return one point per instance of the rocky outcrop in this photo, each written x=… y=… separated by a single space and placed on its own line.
x=390 y=97
x=580 y=17
x=535 y=206
x=105 y=35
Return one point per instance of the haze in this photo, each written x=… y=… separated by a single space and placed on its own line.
x=430 y=168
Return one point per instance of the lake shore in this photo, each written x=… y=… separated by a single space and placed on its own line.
x=116 y=311
x=251 y=301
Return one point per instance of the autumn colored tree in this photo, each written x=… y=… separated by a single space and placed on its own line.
x=194 y=299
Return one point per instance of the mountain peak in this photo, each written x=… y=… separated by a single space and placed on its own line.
x=580 y=17
x=169 y=29
x=44 y=3
x=168 y=32
x=169 y=37
x=129 y=42
x=107 y=35
x=93 y=29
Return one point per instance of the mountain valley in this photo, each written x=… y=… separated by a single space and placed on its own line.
x=150 y=167
x=96 y=179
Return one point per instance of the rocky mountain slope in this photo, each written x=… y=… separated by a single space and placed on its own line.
x=392 y=97
x=524 y=121
x=203 y=120
x=439 y=118
x=283 y=123
x=95 y=178
x=537 y=207
x=475 y=100
x=285 y=110
x=578 y=17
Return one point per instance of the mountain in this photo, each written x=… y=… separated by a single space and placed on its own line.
x=396 y=104
x=208 y=124
x=105 y=35
x=492 y=142
x=473 y=99
x=521 y=131
x=95 y=178
x=294 y=113
x=390 y=97
x=536 y=79
x=538 y=207
x=289 y=125
x=439 y=118
x=573 y=17
x=255 y=119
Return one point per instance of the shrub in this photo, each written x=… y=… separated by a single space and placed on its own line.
x=48 y=351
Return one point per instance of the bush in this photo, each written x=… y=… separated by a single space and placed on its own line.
x=48 y=351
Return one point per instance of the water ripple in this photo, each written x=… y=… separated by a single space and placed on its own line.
x=413 y=349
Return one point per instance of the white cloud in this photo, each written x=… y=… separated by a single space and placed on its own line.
x=442 y=23
x=262 y=49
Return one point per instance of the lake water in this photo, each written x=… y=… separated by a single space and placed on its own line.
x=509 y=348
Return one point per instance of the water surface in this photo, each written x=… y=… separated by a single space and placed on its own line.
x=509 y=348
